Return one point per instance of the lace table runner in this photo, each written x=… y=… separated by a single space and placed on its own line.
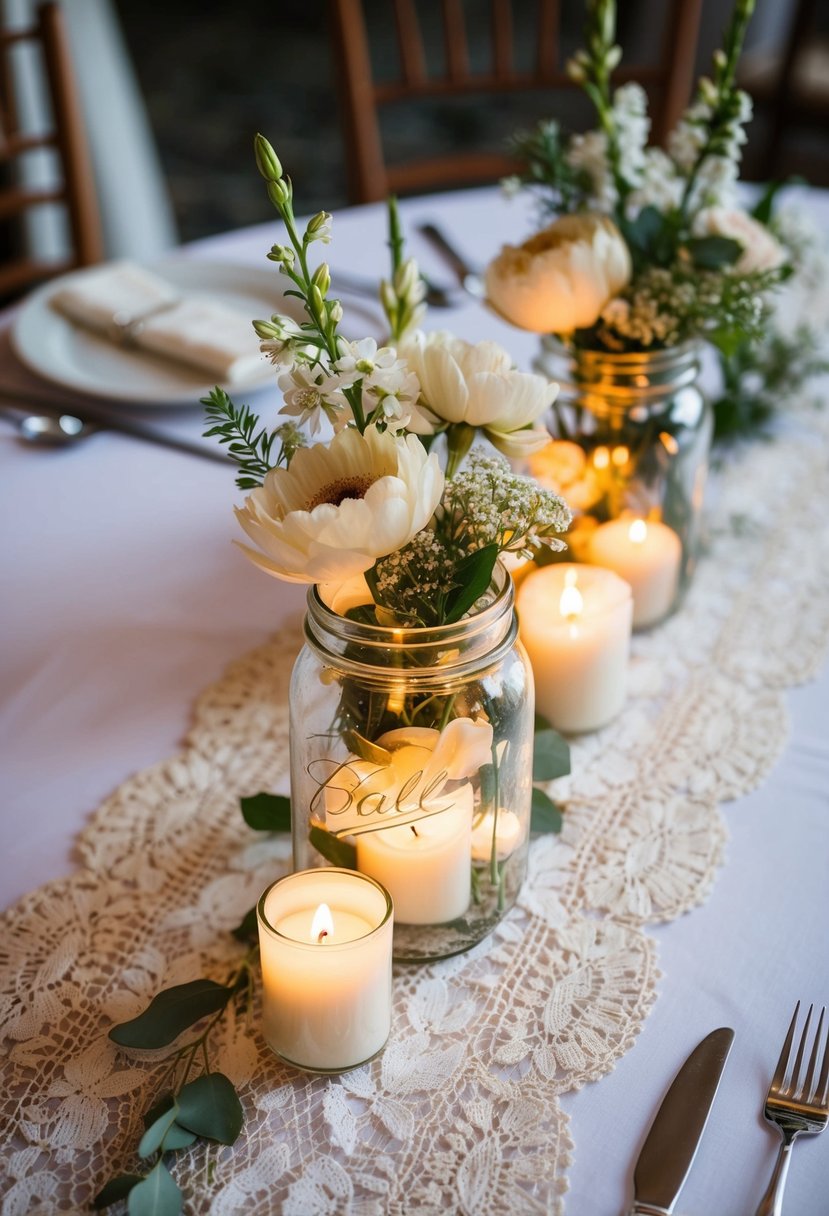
x=460 y=1113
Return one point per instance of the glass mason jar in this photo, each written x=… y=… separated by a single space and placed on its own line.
x=636 y=475
x=411 y=761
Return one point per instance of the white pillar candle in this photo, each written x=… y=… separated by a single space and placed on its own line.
x=646 y=554
x=505 y=828
x=325 y=941
x=426 y=866
x=575 y=622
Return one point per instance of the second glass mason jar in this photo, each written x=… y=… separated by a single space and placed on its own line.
x=630 y=456
x=411 y=761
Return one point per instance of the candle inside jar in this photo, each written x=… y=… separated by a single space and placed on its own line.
x=503 y=829
x=425 y=866
x=575 y=622
x=319 y=926
x=648 y=555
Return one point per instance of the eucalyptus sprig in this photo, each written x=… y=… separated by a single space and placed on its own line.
x=205 y=1106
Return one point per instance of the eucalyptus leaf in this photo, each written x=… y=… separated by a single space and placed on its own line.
x=171 y=1011
x=209 y=1106
x=267 y=812
x=117 y=1188
x=338 y=852
x=177 y=1137
x=156 y=1195
x=546 y=816
x=365 y=749
x=473 y=575
x=151 y=1140
x=248 y=928
x=551 y=755
x=714 y=252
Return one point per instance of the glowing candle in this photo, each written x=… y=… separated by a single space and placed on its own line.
x=425 y=865
x=505 y=828
x=325 y=941
x=575 y=622
x=645 y=554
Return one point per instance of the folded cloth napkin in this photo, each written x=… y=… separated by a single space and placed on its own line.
x=125 y=302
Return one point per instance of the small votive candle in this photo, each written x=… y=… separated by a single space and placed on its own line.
x=575 y=622
x=645 y=553
x=325 y=941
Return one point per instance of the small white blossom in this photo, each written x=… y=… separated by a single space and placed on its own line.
x=588 y=153
x=630 y=117
x=309 y=394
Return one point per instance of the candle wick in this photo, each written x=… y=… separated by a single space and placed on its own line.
x=414 y=829
x=322 y=934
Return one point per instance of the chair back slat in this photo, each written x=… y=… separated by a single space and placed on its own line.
x=412 y=58
x=75 y=190
x=548 y=18
x=454 y=32
x=502 y=52
x=667 y=81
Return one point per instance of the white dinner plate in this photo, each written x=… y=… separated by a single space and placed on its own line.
x=52 y=346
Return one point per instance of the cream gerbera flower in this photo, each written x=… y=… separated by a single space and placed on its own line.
x=340 y=506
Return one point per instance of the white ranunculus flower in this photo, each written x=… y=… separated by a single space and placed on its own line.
x=761 y=251
x=477 y=385
x=561 y=278
x=340 y=506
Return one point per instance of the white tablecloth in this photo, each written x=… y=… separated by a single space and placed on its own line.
x=122 y=596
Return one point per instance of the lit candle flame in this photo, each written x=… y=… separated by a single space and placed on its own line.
x=638 y=531
x=601 y=458
x=322 y=926
x=620 y=455
x=571 y=602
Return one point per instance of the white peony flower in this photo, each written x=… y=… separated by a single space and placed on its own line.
x=341 y=506
x=761 y=252
x=476 y=384
x=561 y=278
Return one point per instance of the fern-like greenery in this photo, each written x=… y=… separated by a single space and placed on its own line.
x=248 y=443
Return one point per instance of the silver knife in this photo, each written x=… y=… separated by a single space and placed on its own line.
x=674 y=1136
x=470 y=280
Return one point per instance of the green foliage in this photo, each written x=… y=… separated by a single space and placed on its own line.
x=155 y=1195
x=365 y=749
x=248 y=928
x=338 y=852
x=209 y=1107
x=170 y=1012
x=117 y=1188
x=551 y=755
x=759 y=377
x=236 y=428
x=713 y=252
x=546 y=815
x=153 y=1137
x=267 y=812
x=473 y=575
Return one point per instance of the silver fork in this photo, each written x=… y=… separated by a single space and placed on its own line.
x=799 y=1107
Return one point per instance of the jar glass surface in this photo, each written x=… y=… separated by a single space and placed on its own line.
x=632 y=441
x=411 y=761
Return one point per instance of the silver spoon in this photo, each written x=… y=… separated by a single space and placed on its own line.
x=55 y=430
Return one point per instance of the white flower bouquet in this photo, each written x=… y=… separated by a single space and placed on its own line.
x=411 y=703
x=650 y=247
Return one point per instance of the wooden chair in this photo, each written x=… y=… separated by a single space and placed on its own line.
x=76 y=190
x=668 y=84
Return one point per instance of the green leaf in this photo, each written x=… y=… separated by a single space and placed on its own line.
x=713 y=252
x=177 y=1137
x=365 y=749
x=209 y=1106
x=267 y=812
x=551 y=756
x=115 y=1189
x=151 y=1140
x=486 y=776
x=171 y=1011
x=156 y=1195
x=338 y=852
x=248 y=928
x=546 y=816
x=473 y=575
